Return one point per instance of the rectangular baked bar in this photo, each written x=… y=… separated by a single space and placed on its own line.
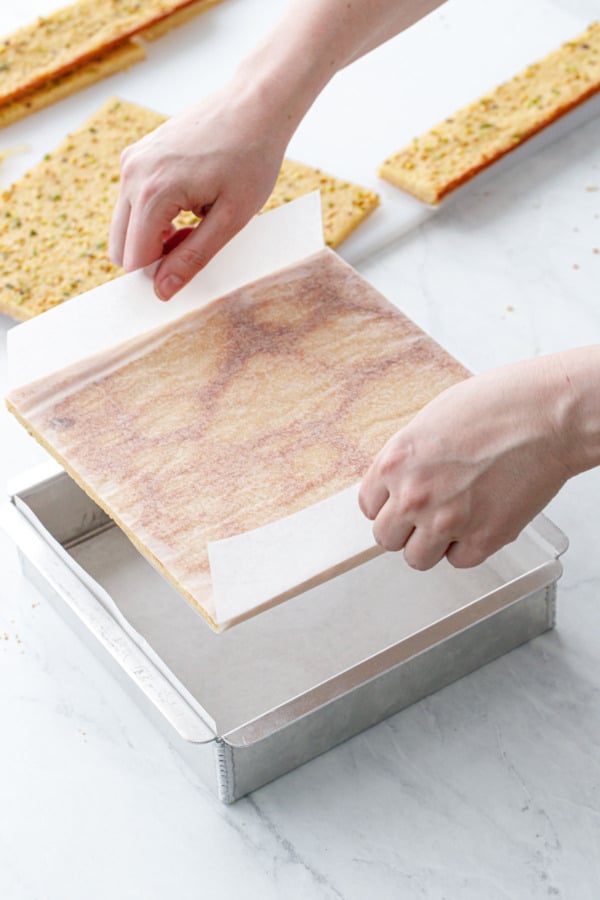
x=473 y=138
x=102 y=66
x=74 y=34
x=54 y=222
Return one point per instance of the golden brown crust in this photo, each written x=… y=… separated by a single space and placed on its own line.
x=76 y=79
x=71 y=36
x=176 y=19
x=475 y=137
x=268 y=400
x=344 y=205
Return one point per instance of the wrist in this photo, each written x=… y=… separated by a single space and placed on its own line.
x=309 y=44
x=577 y=407
x=279 y=85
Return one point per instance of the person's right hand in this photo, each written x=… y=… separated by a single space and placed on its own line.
x=219 y=159
x=476 y=464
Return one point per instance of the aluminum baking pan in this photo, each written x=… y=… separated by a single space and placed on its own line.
x=247 y=705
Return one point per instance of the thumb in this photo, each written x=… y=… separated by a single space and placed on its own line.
x=193 y=251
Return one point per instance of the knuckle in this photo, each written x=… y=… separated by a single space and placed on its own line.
x=127 y=162
x=448 y=521
x=151 y=188
x=467 y=556
x=189 y=259
x=390 y=459
x=484 y=543
x=125 y=154
x=415 y=498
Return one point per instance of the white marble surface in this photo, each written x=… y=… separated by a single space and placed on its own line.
x=488 y=789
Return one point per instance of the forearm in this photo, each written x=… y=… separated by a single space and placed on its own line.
x=578 y=406
x=310 y=43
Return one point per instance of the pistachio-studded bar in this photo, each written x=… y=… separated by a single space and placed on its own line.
x=115 y=60
x=472 y=139
x=344 y=205
x=54 y=221
x=176 y=19
x=74 y=34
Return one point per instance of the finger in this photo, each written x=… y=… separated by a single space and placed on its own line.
x=171 y=238
x=423 y=550
x=175 y=238
x=390 y=529
x=148 y=223
x=373 y=493
x=118 y=230
x=464 y=555
x=196 y=250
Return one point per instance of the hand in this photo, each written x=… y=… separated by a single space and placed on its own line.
x=473 y=467
x=220 y=160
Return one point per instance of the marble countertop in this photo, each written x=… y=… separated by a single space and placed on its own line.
x=488 y=789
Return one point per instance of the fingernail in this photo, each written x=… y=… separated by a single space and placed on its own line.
x=168 y=286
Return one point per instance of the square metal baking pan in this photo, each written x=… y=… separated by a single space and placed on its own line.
x=248 y=705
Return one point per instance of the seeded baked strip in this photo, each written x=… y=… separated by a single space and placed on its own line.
x=472 y=139
x=69 y=37
x=344 y=205
x=54 y=221
x=176 y=19
x=96 y=69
